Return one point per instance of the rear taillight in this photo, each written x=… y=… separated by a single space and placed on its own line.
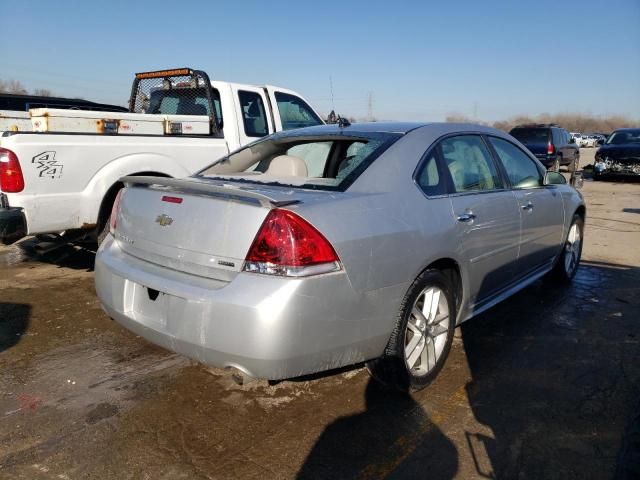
x=288 y=245
x=115 y=210
x=11 y=179
x=551 y=149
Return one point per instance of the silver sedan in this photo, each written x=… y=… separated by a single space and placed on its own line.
x=322 y=247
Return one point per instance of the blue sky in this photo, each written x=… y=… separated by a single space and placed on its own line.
x=420 y=60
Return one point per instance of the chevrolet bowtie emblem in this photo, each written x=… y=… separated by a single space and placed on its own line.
x=164 y=220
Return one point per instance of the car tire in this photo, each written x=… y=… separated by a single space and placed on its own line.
x=573 y=166
x=422 y=336
x=569 y=259
x=102 y=231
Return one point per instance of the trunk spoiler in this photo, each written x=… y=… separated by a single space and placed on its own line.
x=232 y=192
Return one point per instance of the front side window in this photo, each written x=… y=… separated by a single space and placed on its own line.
x=254 y=116
x=470 y=164
x=294 y=112
x=521 y=170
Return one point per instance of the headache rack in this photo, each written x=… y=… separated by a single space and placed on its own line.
x=186 y=90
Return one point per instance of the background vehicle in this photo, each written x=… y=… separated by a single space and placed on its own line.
x=620 y=155
x=14 y=109
x=589 y=141
x=551 y=145
x=66 y=176
x=287 y=262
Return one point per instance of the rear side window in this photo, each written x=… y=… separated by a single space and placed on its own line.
x=521 y=170
x=470 y=164
x=254 y=116
x=531 y=135
x=294 y=112
x=429 y=178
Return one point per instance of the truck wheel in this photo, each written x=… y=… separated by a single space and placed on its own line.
x=421 y=340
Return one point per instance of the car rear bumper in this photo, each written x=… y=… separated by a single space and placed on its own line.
x=13 y=224
x=267 y=327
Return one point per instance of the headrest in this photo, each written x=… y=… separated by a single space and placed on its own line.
x=287 y=166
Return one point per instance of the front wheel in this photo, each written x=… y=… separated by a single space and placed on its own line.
x=421 y=339
x=569 y=259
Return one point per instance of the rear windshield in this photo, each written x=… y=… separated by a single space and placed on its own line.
x=622 y=137
x=319 y=162
x=531 y=135
x=183 y=101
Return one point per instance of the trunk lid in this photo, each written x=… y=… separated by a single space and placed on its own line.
x=199 y=226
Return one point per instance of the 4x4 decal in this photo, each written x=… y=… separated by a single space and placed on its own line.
x=46 y=163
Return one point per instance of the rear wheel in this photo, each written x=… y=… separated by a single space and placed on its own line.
x=421 y=340
x=569 y=260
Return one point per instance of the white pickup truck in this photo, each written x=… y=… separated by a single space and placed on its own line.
x=64 y=176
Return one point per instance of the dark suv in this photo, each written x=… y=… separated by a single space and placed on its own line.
x=551 y=144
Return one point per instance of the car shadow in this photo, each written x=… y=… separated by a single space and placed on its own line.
x=78 y=256
x=14 y=321
x=392 y=438
x=555 y=376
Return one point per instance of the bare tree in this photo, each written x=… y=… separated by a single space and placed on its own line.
x=43 y=92
x=12 y=86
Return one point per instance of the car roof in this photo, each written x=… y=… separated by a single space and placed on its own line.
x=388 y=127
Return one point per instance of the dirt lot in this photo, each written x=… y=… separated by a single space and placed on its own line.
x=543 y=386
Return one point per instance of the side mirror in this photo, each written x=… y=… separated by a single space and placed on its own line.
x=554 y=178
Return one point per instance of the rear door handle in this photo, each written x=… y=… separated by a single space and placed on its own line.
x=466 y=217
x=528 y=206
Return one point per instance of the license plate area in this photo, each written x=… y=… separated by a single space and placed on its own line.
x=150 y=306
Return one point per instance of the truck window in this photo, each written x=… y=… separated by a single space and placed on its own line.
x=254 y=116
x=183 y=101
x=294 y=112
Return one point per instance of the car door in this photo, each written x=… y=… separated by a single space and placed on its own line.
x=541 y=207
x=486 y=215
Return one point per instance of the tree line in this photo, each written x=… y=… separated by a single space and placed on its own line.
x=17 y=88
x=573 y=122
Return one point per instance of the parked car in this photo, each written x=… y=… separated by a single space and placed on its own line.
x=620 y=155
x=552 y=145
x=589 y=141
x=327 y=246
x=65 y=176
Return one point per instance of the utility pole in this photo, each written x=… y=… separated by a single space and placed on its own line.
x=333 y=108
x=370 y=107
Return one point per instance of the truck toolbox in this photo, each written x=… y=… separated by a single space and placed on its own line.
x=82 y=121
x=13 y=121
